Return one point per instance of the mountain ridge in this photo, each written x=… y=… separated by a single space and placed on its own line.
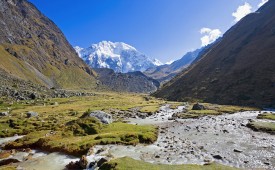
x=238 y=70
x=166 y=72
x=118 y=56
x=33 y=48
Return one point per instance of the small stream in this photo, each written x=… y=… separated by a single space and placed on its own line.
x=39 y=160
x=224 y=139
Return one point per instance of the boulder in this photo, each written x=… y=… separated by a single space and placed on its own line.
x=73 y=166
x=217 y=157
x=33 y=96
x=198 y=106
x=102 y=116
x=32 y=114
x=101 y=162
x=4 y=114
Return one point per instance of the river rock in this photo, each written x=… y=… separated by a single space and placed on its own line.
x=92 y=165
x=4 y=114
x=198 y=106
x=238 y=151
x=266 y=163
x=101 y=162
x=73 y=166
x=102 y=116
x=32 y=114
x=217 y=157
x=33 y=96
x=83 y=162
x=8 y=161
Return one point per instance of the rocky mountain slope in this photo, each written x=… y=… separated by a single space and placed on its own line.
x=33 y=48
x=166 y=72
x=130 y=82
x=238 y=69
x=118 y=56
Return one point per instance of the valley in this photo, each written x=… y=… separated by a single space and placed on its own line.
x=111 y=106
x=144 y=128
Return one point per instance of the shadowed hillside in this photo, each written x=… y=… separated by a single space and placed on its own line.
x=238 y=69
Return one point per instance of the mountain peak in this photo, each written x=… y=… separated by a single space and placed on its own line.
x=118 y=56
x=119 y=45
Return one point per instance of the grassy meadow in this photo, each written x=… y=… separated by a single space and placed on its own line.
x=61 y=127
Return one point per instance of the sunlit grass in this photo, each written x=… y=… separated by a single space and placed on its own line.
x=126 y=163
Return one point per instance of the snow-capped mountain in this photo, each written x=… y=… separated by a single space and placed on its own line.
x=118 y=56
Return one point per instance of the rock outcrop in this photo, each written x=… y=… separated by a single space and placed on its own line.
x=102 y=116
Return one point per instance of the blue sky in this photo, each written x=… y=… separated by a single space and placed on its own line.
x=162 y=29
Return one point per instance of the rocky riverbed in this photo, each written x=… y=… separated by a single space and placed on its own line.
x=224 y=139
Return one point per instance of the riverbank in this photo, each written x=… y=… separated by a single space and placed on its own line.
x=144 y=128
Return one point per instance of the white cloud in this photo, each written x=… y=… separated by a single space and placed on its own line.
x=242 y=11
x=210 y=35
x=262 y=3
x=205 y=30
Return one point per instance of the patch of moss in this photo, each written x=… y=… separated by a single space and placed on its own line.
x=269 y=116
x=268 y=127
x=84 y=126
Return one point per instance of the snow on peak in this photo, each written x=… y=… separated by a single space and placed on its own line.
x=169 y=62
x=118 y=56
x=157 y=62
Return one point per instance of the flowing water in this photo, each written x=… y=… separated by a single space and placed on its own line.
x=198 y=141
x=224 y=139
x=39 y=160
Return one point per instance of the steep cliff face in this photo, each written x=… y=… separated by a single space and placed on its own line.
x=33 y=48
x=238 y=69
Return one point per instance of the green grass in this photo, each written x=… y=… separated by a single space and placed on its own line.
x=149 y=109
x=76 y=144
x=268 y=127
x=71 y=133
x=204 y=112
x=54 y=117
x=7 y=167
x=131 y=164
x=212 y=109
x=269 y=116
x=101 y=101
